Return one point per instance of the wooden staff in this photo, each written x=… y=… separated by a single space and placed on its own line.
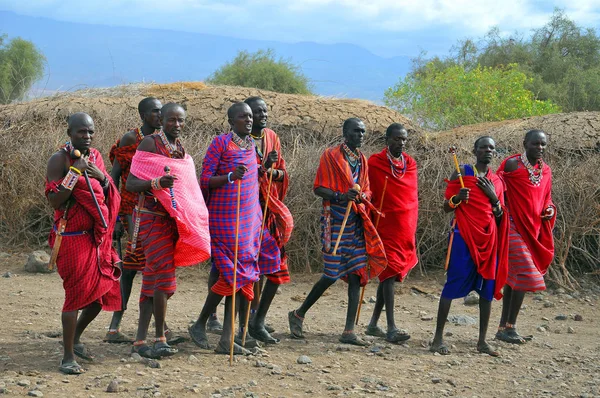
x=337 y=242
x=362 y=293
x=235 y=258
x=60 y=229
x=171 y=192
x=76 y=154
x=262 y=228
x=452 y=150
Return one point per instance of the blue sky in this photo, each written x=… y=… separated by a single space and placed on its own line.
x=385 y=27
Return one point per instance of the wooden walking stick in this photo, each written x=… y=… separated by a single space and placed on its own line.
x=348 y=207
x=452 y=150
x=362 y=293
x=171 y=192
x=76 y=154
x=262 y=228
x=235 y=258
x=60 y=229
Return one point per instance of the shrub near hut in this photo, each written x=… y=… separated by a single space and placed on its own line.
x=31 y=132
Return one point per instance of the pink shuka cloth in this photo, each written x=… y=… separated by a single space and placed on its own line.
x=191 y=215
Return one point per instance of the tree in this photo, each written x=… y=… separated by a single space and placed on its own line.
x=21 y=65
x=442 y=97
x=262 y=70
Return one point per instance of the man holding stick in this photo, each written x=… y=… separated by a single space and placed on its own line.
x=81 y=238
x=277 y=219
x=532 y=216
x=343 y=182
x=121 y=155
x=230 y=176
x=393 y=178
x=478 y=242
x=171 y=223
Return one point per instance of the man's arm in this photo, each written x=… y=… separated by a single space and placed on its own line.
x=463 y=194
x=337 y=197
x=58 y=167
x=135 y=184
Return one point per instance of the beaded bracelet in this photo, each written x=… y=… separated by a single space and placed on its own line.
x=453 y=205
x=75 y=169
x=155 y=184
x=70 y=180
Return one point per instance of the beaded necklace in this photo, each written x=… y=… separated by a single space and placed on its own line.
x=68 y=148
x=352 y=157
x=171 y=148
x=535 y=175
x=243 y=143
x=258 y=143
x=397 y=165
x=140 y=134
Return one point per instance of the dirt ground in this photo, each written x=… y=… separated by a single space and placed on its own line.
x=563 y=360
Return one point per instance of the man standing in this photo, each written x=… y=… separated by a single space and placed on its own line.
x=171 y=224
x=532 y=216
x=230 y=162
x=479 y=250
x=279 y=222
x=81 y=242
x=340 y=168
x=393 y=178
x=121 y=154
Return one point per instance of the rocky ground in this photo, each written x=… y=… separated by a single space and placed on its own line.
x=563 y=360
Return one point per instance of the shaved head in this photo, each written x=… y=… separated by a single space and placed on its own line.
x=78 y=119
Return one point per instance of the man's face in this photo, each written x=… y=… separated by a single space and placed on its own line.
x=354 y=134
x=259 y=114
x=173 y=122
x=397 y=141
x=151 y=115
x=535 y=146
x=82 y=134
x=486 y=147
x=242 y=121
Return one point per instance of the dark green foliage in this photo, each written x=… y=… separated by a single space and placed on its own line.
x=21 y=65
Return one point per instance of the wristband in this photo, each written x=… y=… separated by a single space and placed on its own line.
x=451 y=204
x=229 y=180
x=75 y=169
x=70 y=180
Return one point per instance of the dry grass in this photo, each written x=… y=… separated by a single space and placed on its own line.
x=28 y=138
x=160 y=90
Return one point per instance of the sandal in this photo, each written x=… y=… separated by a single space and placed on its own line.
x=352 y=338
x=173 y=339
x=262 y=334
x=237 y=349
x=143 y=350
x=296 y=321
x=71 y=368
x=396 y=336
x=441 y=349
x=214 y=326
x=251 y=342
x=81 y=351
x=199 y=338
x=510 y=335
x=117 y=338
x=161 y=349
x=485 y=348
x=375 y=331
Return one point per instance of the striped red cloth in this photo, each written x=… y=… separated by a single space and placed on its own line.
x=334 y=173
x=398 y=228
x=87 y=263
x=191 y=215
x=526 y=203
x=523 y=275
x=279 y=223
x=123 y=155
x=487 y=242
x=158 y=236
x=222 y=157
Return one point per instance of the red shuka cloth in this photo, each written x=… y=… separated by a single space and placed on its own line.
x=526 y=203
x=487 y=241
x=87 y=263
x=334 y=173
x=124 y=155
x=398 y=228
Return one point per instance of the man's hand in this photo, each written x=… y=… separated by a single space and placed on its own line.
x=463 y=194
x=548 y=213
x=167 y=181
x=353 y=195
x=239 y=172
x=487 y=186
x=272 y=158
x=94 y=172
x=81 y=164
x=119 y=230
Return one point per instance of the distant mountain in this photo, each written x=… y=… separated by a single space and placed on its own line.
x=84 y=55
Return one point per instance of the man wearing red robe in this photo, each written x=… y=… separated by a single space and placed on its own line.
x=393 y=178
x=479 y=250
x=86 y=261
x=532 y=216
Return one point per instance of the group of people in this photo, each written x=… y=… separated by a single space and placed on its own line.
x=234 y=214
